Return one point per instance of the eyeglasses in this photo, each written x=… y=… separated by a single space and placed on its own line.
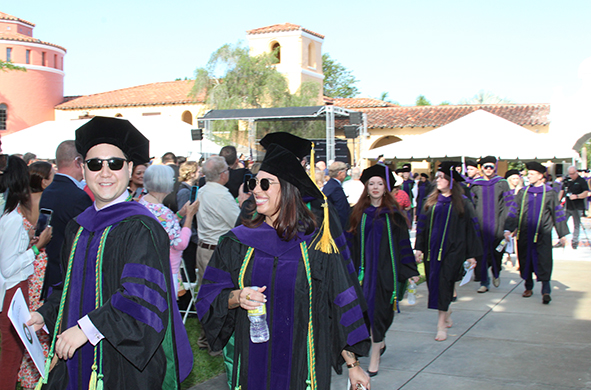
x=264 y=183
x=488 y=166
x=96 y=164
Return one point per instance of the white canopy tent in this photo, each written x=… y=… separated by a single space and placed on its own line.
x=477 y=134
x=165 y=134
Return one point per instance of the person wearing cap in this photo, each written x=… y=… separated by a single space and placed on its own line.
x=314 y=314
x=114 y=321
x=535 y=212
x=423 y=187
x=472 y=172
x=407 y=186
x=514 y=180
x=492 y=197
x=447 y=235
x=575 y=191
x=382 y=254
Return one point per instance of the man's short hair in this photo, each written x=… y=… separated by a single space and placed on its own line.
x=335 y=168
x=28 y=157
x=66 y=153
x=229 y=153
x=159 y=178
x=214 y=167
x=169 y=158
x=355 y=173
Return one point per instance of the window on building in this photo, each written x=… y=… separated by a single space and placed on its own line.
x=276 y=50
x=187 y=117
x=55 y=61
x=8 y=54
x=311 y=55
x=43 y=58
x=28 y=57
x=3 y=116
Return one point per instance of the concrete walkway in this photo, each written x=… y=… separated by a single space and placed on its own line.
x=499 y=339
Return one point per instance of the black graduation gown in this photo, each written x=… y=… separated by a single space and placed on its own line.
x=378 y=279
x=491 y=199
x=281 y=363
x=462 y=241
x=536 y=256
x=145 y=344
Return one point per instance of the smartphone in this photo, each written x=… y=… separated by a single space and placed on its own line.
x=43 y=221
x=194 y=190
x=247 y=177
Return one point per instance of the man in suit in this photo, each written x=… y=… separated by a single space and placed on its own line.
x=66 y=197
x=333 y=189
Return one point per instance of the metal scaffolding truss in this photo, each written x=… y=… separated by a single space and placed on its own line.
x=310 y=113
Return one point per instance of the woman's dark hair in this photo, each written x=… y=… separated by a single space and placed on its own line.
x=38 y=171
x=457 y=193
x=293 y=215
x=388 y=202
x=16 y=180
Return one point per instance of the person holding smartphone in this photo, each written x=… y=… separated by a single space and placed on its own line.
x=18 y=252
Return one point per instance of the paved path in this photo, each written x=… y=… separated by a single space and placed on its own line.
x=499 y=339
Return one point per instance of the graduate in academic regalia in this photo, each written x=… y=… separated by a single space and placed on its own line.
x=115 y=314
x=536 y=211
x=407 y=186
x=314 y=313
x=447 y=235
x=491 y=196
x=423 y=190
x=382 y=253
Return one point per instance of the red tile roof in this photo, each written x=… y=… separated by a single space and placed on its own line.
x=359 y=102
x=4 y=16
x=11 y=36
x=156 y=94
x=281 y=28
x=437 y=116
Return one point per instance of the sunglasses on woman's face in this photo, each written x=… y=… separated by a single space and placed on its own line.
x=264 y=183
x=96 y=164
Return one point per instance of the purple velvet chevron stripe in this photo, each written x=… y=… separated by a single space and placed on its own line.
x=209 y=291
x=421 y=223
x=341 y=243
x=142 y=271
x=147 y=294
x=352 y=315
x=406 y=252
x=476 y=226
x=346 y=297
x=560 y=219
x=357 y=335
x=558 y=207
x=137 y=311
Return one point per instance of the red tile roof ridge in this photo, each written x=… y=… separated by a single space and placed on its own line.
x=281 y=28
x=5 y=16
x=26 y=38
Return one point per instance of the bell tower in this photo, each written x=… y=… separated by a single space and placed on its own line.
x=299 y=52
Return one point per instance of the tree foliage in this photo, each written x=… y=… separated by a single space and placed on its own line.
x=422 y=101
x=339 y=81
x=8 y=65
x=485 y=97
x=233 y=79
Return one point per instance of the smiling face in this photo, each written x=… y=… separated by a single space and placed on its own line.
x=107 y=185
x=442 y=182
x=376 y=188
x=268 y=201
x=138 y=175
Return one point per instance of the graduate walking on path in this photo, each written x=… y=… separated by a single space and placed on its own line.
x=447 y=235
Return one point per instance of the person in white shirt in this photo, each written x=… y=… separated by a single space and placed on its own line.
x=16 y=261
x=217 y=214
x=354 y=187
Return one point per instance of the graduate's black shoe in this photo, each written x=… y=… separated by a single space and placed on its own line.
x=575 y=245
x=382 y=350
x=546 y=298
x=453 y=299
x=558 y=245
x=372 y=373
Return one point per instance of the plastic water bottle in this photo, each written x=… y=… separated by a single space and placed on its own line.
x=467 y=265
x=501 y=245
x=412 y=290
x=259 y=330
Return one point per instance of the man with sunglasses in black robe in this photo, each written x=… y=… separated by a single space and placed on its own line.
x=115 y=316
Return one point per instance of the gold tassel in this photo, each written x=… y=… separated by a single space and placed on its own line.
x=326 y=243
x=92 y=382
x=312 y=164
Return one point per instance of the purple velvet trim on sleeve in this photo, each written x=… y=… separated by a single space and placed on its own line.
x=137 y=311
x=561 y=219
x=406 y=252
x=142 y=271
x=558 y=207
x=358 y=335
x=346 y=297
x=351 y=316
x=147 y=294
x=208 y=292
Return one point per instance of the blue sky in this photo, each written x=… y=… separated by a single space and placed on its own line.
x=523 y=50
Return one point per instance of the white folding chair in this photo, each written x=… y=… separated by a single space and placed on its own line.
x=190 y=287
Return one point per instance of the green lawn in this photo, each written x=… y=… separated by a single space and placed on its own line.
x=204 y=367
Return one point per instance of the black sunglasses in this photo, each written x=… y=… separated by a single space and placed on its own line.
x=488 y=166
x=264 y=183
x=96 y=164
